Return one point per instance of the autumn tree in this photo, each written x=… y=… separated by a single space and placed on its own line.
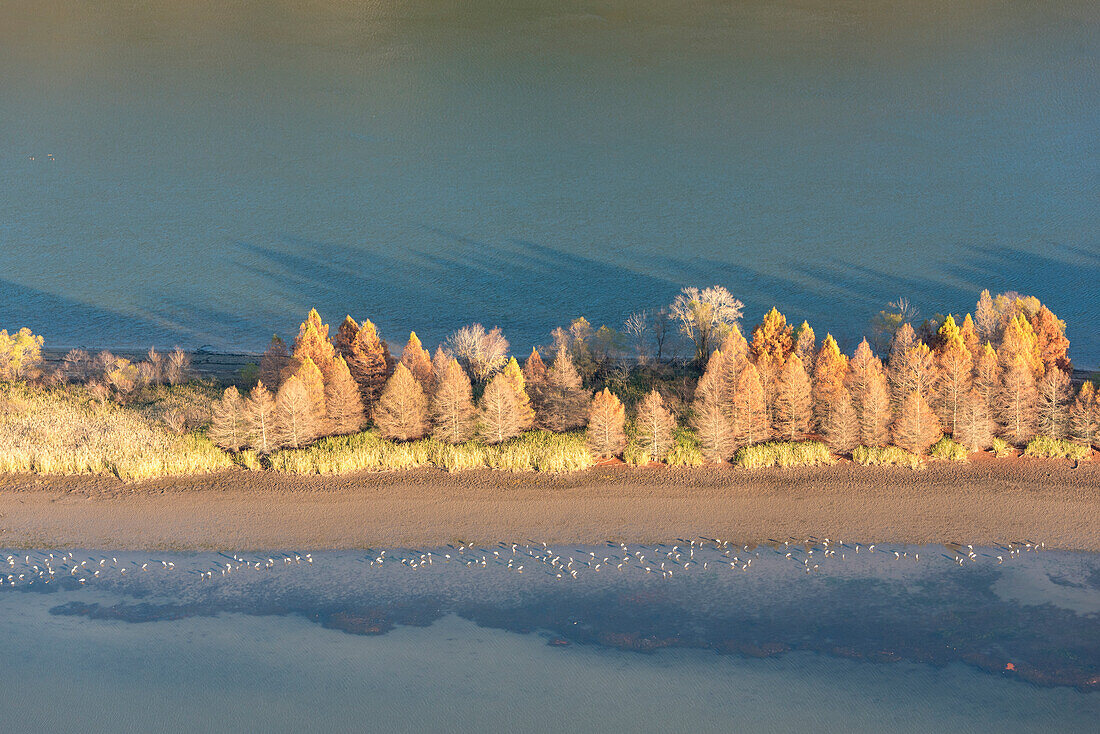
x=705 y=317
x=747 y=417
x=296 y=423
x=402 y=410
x=830 y=370
x=805 y=343
x=367 y=358
x=953 y=376
x=987 y=376
x=310 y=376
x=481 y=352
x=916 y=427
x=563 y=403
x=841 y=424
x=969 y=335
x=1053 y=405
x=987 y=319
x=229 y=426
x=771 y=345
x=440 y=361
x=1084 y=418
x=261 y=414
x=274 y=361
x=534 y=369
x=1019 y=340
x=708 y=418
x=313 y=343
x=606 y=420
x=1050 y=335
x=452 y=404
x=866 y=382
x=518 y=382
x=178 y=369
x=417 y=361
x=655 y=425
x=501 y=415
x=735 y=356
x=793 y=401
x=343 y=403
x=1017 y=400
x=975 y=426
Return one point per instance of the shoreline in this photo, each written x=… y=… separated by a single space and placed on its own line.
x=981 y=503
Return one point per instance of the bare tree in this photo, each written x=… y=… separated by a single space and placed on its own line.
x=402 y=410
x=481 y=352
x=296 y=423
x=452 y=403
x=260 y=411
x=655 y=425
x=501 y=415
x=705 y=317
x=179 y=367
x=606 y=419
x=563 y=402
x=1054 y=397
x=636 y=327
x=77 y=366
x=229 y=428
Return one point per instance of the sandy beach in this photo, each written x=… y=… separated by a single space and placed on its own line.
x=979 y=503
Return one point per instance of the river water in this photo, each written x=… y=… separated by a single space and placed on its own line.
x=708 y=639
x=202 y=173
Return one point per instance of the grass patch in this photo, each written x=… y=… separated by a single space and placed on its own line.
x=947 y=449
x=885 y=456
x=686 y=451
x=1044 y=447
x=1001 y=448
x=635 y=455
x=783 y=453
x=65 y=430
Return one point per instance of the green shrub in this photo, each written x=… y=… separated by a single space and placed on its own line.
x=635 y=455
x=783 y=453
x=885 y=456
x=686 y=451
x=1045 y=447
x=1001 y=447
x=949 y=450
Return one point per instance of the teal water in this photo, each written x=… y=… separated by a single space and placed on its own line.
x=341 y=641
x=202 y=173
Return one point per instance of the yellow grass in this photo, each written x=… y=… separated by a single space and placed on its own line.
x=885 y=456
x=947 y=449
x=783 y=453
x=1055 y=448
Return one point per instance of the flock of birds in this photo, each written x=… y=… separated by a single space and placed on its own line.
x=660 y=561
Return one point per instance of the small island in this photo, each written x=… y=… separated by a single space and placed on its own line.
x=971 y=428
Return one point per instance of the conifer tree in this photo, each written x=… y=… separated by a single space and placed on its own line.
x=402 y=410
x=841 y=424
x=805 y=342
x=708 y=418
x=1019 y=340
x=771 y=345
x=606 y=420
x=344 y=340
x=735 y=356
x=987 y=319
x=969 y=334
x=229 y=427
x=519 y=385
x=975 y=426
x=1053 y=406
x=793 y=402
x=313 y=382
x=296 y=424
x=260 y=411
x=1017 y=400
x=748 y=419
x=417 y=360
x=1050 y=335
x=313 y=343
x=870 y=393
x=953 y=374
x=534 y=369
x=916 y=427
x=987 y=376
x=501 y=416
x=563 y=403
x=1084 y=419
x=452 y=404
x=655 y=426
x=368 y=361
x=829 y=373
x=343 y=403
x=440 y=361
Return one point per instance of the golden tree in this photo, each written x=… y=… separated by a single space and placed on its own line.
x=987 y=319
x=20 y=355
x=975 y=427
x=261 y=415
x=296 y=423
x=519 y=385
x=805 y=342
x=313 y=343
x=829 y=373
x=1019 y=340
x=368 y=361
x=313 y=382
x=1017 y=401
x=606 y=420
x=534 y=369
x=655 y=426
x=735 y=355
x=274 y=362
x=229 y=425
x=563 y=403
x=793 y=402
x=452 y=404
x=402 y=410
x=748 y=419
x=1053 y=406
x=771 y=345
x=1050 y=335
x=501 y=416
x=708 y=417
x=841 y=424
x=417 y=360
x=866 y=382
x=1084 y=419
x=916 y=427
x=953 y=374
x=343 y=403
x=968 y=332
x=987 y=375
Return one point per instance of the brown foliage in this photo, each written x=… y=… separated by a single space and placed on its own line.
x=793 y=402
x=829 y=372
x=502 y=416
x=313 y=343
x=402 y=409
x=606 y=421
x=1050 y=335
x=1016 y=402
x=534 y=369
x=343 y=404
x=562 y=403
x=273 y=363
x=916 y=427
x=975 y=426
x=708 y=418
x=655 y=426
x=953 y=374
x=841 y=424
x=178 y=370
x=771 y=344
x=866 y=382
x=417 y=360
x=368 y=360
x=452 y=404
x=748 y=419
x=296 y=421
x=261 y=414
x=1084 y=419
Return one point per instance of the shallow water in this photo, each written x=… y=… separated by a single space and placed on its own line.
x=339 y=641
x=205 y=172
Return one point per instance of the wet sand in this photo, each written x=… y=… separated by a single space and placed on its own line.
x=978 y=502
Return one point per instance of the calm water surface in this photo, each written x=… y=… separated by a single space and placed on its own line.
x=339 y=641
x=203 y=172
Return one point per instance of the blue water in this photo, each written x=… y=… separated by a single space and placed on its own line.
x=860 y=642
x=204 y=172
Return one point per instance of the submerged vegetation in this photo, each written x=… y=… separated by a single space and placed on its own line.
x=770 y=396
